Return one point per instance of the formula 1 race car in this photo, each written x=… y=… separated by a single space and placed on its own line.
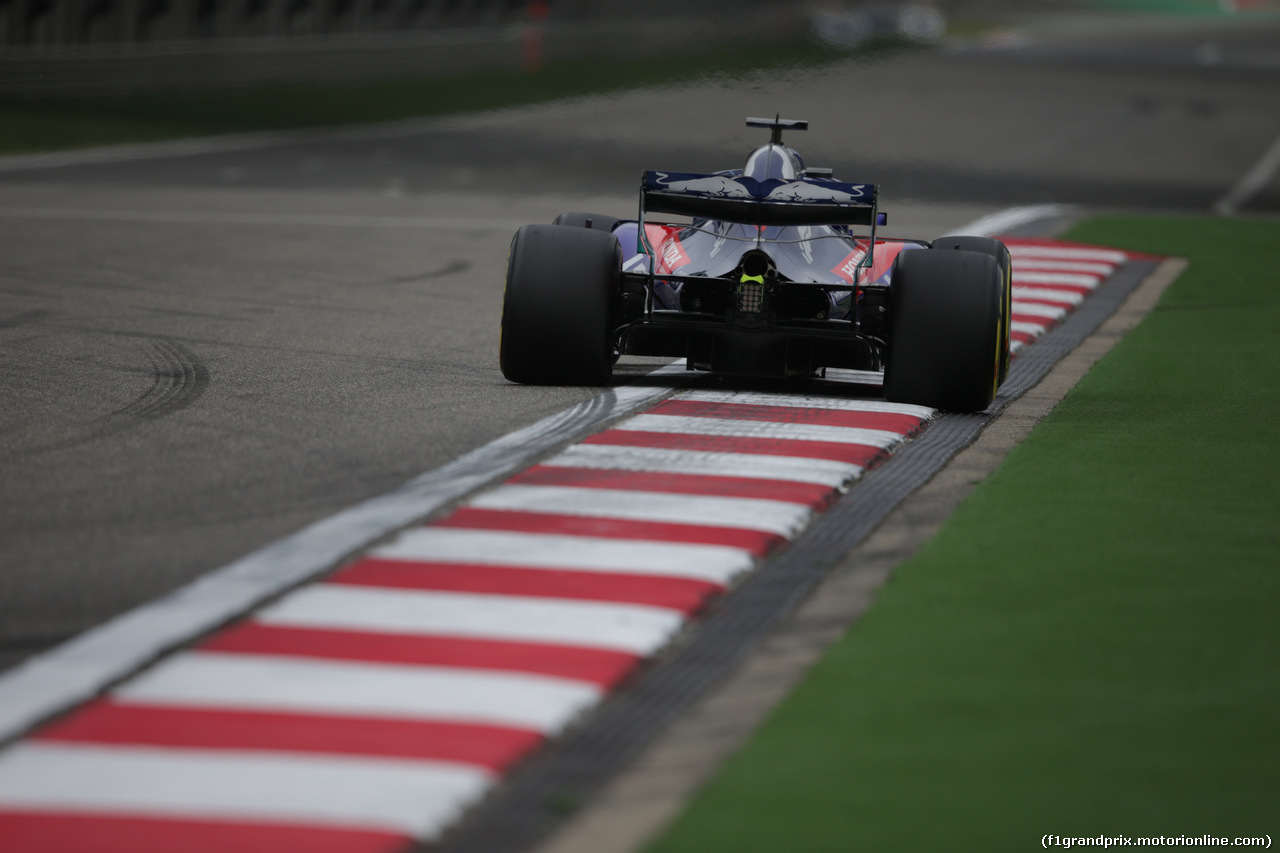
x=768 y=279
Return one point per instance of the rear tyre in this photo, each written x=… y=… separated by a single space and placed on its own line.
x=945 y=330
x=560 y=305
x=599 y=222
x=997 y=250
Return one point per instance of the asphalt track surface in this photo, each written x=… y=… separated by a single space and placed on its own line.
x=204 y=353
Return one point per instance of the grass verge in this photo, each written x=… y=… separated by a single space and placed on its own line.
x=1206 y=8
x=1090 y=646
x=61 y=123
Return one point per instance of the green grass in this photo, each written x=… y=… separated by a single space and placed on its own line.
x=1211 y=8
x=61 y=123
x=1091 y=645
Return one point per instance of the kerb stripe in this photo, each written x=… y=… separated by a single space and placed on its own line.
x=683 y=594
x=716 y=563
x=1051 y=279
x=861 y=455
x=599 y=666
x=492 y=747
x=358 y=792
x=1044 y=295
x=1099 y=268
x=1030 y=249
x=633 y=628
x=750 y=513
x=751 y=466
x=756 y=542
x=1060 y=290
x=808 y=401
x=808 y=494
x=1054 y=312
x=56 y=832
x=889 y=421
x=280 y=684
x=760 y=429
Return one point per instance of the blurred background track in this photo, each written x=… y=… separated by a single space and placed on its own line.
x=86 y=47
x=64 y=47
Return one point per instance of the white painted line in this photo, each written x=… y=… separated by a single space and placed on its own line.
x=1053 y=312
x=781 y=517
x=1065 y=297
x=806 y=401
x=759 y=429
x=1251 y=182
x=715 y=563
x=634 y=628
x=416 y=798
x=1029 y=328
x=283 y=683
x=1050 y=265
x=1050 y=278
x=668 y=461
x=80 y=668
x=1066 y=253
x=1006 y=220
x=211 y=217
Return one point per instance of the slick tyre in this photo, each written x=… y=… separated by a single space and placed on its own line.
x=945 y=330
x=560 y=305
x=599 y=222
x=999 y=251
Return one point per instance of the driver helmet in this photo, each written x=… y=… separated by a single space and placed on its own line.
x=773 y=162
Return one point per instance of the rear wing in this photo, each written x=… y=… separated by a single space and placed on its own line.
x=798 y=201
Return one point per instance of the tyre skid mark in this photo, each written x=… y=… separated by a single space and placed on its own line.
x=179 y=379
x=373 y=708
x=178 y=376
